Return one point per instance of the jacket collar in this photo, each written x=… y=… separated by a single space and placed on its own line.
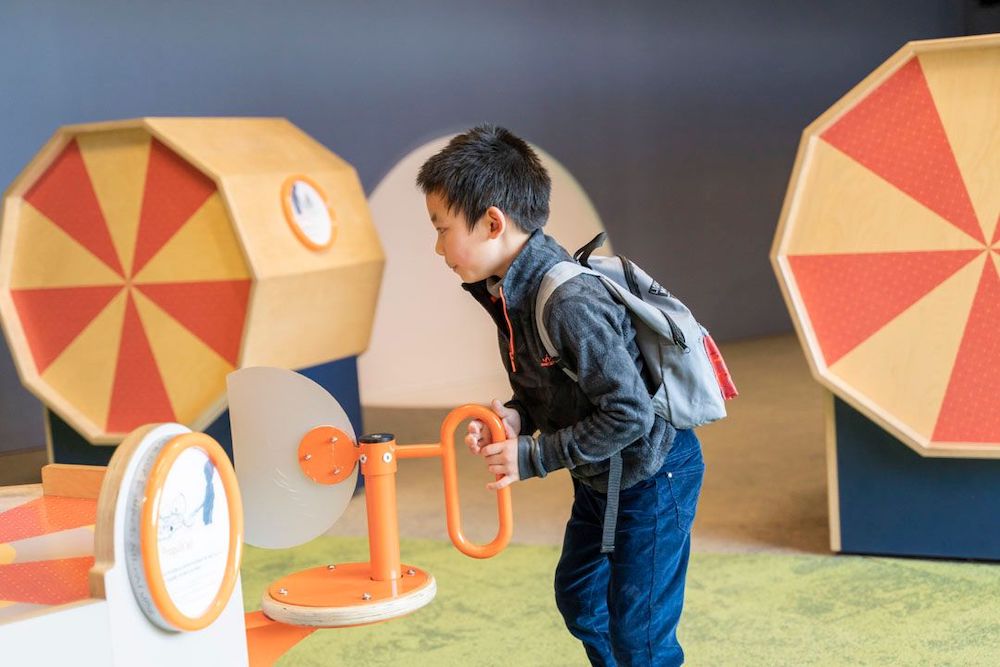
x=525 y=274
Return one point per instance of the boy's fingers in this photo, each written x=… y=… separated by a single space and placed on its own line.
x=501 y=483
x=472 y=442
x=492 y=449
x=477 y=436
x=502 y=410
x=505 y=414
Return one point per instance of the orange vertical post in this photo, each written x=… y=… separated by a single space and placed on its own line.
x=378 y=465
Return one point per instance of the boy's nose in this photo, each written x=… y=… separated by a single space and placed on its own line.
x=438 y=248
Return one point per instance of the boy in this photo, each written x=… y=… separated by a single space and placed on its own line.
x=488 y=197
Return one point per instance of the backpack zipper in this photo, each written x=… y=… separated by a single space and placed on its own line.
x=629 y=271
x=510 y=329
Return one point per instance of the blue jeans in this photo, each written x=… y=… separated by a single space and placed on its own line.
x=625 y=606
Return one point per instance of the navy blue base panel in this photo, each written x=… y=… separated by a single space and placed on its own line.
x=68 y=446
x=895 y=502
x=340 y=378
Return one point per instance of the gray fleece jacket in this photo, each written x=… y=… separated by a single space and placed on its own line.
x=579 y=424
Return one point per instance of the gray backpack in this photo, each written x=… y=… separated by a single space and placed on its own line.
x=691 y=379
x=692 y=383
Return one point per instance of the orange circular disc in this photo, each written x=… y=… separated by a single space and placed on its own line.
x=345 y=595
x=888 y=250
x=327 y=455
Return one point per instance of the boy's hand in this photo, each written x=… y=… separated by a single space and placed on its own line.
x=479 y=436
x=501 y=458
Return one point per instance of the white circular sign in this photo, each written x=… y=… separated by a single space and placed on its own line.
x=309 y=213
x=193 y=532
x=183 y=526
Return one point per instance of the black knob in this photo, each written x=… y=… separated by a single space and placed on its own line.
x=376 y=438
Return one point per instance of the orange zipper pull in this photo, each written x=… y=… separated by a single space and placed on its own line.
x=510 y=329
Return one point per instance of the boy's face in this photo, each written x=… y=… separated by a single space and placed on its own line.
x=472 y=255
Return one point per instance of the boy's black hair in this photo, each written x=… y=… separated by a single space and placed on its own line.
x=490 y=166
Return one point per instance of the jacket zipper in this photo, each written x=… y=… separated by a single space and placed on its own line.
x=510 y=329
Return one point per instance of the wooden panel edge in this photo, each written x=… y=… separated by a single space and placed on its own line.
x=832 y=478
x=104 y=528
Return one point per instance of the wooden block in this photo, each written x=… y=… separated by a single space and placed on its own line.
x=72 y=481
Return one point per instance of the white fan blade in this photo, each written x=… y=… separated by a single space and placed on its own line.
x=270 y=410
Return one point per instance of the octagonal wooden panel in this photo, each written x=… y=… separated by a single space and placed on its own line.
x=888 y=249
x=141 y=261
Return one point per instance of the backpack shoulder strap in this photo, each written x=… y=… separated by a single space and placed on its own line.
x=555 y=277
x=551 y=281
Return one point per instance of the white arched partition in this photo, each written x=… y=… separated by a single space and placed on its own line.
x=432 y=344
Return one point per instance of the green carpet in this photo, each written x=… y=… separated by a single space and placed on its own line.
x=742 y=609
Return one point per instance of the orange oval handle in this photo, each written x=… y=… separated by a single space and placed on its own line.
x=505 y=511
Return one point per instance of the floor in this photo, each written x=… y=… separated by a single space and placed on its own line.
x=765 y=483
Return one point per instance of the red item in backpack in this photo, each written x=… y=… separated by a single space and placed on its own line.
x=726 y=383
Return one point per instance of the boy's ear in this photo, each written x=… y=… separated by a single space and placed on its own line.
x=497 y=221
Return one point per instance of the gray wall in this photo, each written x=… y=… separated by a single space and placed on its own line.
x=679 y=118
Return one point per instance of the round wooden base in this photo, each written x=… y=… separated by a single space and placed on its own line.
x=333 y=596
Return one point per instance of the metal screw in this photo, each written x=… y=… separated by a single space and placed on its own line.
x=387 y=457
x=411 y=572
x=282 y=591
x=366 y=596
x=363 y=458
x=336 y=471
x=333 y=439
x=307 y=457
x=331 y=567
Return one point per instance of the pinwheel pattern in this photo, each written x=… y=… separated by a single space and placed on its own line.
x=128 y=282
x=889 y=248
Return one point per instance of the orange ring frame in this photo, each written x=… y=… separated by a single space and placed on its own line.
x=286 y=196
x=148 y=527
